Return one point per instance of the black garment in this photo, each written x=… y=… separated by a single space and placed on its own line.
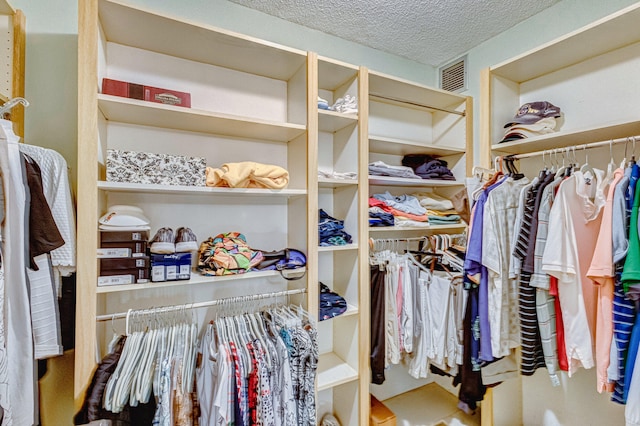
x=92 y=410
x=532 y=354
x=44 y=235
x=67 y=309
x=378 y=348
x=471 y=388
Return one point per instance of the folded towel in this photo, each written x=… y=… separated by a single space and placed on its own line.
x=248 y=174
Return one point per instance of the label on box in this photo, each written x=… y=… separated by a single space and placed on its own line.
x=185 y=272
x=113 y=252
x=116 y=280
x=172 y=272
x=157 y=273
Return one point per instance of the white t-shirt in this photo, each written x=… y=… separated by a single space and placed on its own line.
x=574 y=222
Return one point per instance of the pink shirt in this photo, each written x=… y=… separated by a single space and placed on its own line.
x=602 y=271
x=574 y=223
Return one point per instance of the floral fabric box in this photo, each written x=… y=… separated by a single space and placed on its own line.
x=161 y=169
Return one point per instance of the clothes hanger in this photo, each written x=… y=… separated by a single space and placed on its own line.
x=586 y=168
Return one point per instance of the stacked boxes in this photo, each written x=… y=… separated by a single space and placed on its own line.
x=170 y=267
x=123 y=257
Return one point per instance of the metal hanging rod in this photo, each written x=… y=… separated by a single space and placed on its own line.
x=228 y=300
x=576 y=147
x=415 y=104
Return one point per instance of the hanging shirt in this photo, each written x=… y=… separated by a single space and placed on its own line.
x=574 y=223
x=498 y=228
x=631 y=272
x=474 y=265
x=602 y=272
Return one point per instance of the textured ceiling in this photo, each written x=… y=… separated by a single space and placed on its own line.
x=431 y=32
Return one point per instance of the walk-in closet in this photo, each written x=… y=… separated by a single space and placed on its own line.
x=327 y=214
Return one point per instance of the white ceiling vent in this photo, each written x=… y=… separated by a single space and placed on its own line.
x=453 y=76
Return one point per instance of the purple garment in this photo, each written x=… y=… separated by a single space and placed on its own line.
x=434 y=169
x=473 y=265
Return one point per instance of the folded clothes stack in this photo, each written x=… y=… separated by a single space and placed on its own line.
x=405 y=209
x=532 y=119
x=346 y=105
x=440 y=211
x=331 y=304
x=428 y=167
x=380 y=168
x=331 y=231
x=337 y=175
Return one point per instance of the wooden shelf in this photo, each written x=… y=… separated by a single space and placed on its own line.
x=196 y=279
x=333 y=371
x=6 y=8
x=429 y=228
x=612 y=32
x=333 y=73
x=154 y=32
x=384 y=145
x=337 y=248
x=393 y=181
x=336 y=183
x=133 y=111
x=406 y=91
x=198 y=190
x=351 y=311
x=570 y=138
x=332 y=121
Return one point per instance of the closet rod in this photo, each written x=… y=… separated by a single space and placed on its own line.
x=415 y=104
x=577 y=147
x=234 y=299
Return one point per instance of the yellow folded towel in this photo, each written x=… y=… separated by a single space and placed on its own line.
x=248 y=174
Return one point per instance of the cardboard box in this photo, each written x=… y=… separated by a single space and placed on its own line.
x=170 y=267
x=380 y=414
x=139 y=274
x=137 y=248
x=111 y=236
x=145 y=93
x=115 y=264
x=160 y=169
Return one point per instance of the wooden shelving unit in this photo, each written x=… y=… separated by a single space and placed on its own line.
x=587 y=67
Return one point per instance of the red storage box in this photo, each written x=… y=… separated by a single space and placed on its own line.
x=145 y=93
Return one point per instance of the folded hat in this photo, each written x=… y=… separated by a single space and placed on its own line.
x=532 y=112
x=544 y=125
x=331 y=304
x=124 y=216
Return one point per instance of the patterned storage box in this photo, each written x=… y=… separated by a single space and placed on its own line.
x=162 y=169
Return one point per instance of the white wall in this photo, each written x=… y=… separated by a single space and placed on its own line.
x=551 y=23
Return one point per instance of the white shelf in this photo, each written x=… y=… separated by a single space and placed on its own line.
x=154 y=32
x=333 y=73
x=394 y=181
x=333 y=371
x=384 y=145
x=6 y=8
x=196 y=279
x=570 y=138
x=351 y=311
x=134 y=111
x=406 y=91
x=332 y=121
x=612 y=32
x=429 y=228
x=338 y=248
x=149 y=188
x=335 y=183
